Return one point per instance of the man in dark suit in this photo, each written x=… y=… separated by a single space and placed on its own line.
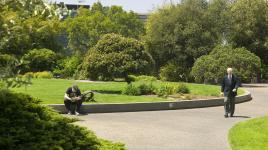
x=229 y=89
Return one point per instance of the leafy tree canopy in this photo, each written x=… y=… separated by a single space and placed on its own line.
x=27 y=24
x=249 y=26
x=185 y=31
x=86 y=28
x=116 y=56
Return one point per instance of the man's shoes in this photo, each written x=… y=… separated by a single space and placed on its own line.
x=77 y=113
x=231 y=115
x=69 y=113
x=226 y=115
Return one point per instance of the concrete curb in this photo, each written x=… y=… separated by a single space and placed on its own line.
x=167 y=105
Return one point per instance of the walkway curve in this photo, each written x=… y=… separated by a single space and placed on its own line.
x=185 y=129
x=152 y=106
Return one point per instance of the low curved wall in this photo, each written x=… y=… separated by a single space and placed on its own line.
x=146 y=106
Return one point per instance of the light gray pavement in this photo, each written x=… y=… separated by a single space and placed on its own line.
x=188 y=129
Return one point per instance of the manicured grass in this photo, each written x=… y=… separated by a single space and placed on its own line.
x=250 y=135
x=51 y=91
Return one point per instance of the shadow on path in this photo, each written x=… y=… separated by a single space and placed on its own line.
x=241 y=117
x=260 y=85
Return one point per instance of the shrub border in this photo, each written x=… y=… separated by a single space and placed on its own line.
x=153 y=106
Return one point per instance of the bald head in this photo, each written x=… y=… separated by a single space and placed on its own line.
x=229 y=71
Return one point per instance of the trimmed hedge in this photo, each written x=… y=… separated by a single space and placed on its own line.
x=145 y=88
x=133 y=78
x=42 y=75
x=27 y=125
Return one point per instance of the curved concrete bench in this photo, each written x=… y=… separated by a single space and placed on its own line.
x=146 y=106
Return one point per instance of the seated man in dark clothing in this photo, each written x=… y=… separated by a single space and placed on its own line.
x=73 y=100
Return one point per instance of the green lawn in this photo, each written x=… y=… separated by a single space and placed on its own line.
x=250 y=135
x=51 y=91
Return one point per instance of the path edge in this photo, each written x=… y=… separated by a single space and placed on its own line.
x=152 y=106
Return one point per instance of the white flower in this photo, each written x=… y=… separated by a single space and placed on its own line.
x=12 y=21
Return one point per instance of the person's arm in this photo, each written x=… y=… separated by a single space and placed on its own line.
x=237 y=83
x=222 y=86
x=67 y=97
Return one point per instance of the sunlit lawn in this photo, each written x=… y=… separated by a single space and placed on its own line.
x=51 y=91
x=250 y=135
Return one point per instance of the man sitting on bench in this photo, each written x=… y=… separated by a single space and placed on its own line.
x=73 y=100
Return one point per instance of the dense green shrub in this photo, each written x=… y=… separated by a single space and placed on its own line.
x=130 y=78
x=139 y=89
x=146 y=89
x=27 y=125
x=246 y=65
x=115 y=56
x=39 y=60
x=173 y=72
x=6 y=59
x=165 y=90
x=264 y=71
x=29 y=74
x=169 y=89
x=67 y=67
x=43 y=75
x=142 y=78
x=182 y=88
x=146 y=78
x=131 y=89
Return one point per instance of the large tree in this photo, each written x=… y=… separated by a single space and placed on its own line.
x=116 y=56
x=249 y=26
x=28 y=24
x=86 y=28
x=182 y=33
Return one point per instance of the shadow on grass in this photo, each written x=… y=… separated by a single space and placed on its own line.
x=107 y=92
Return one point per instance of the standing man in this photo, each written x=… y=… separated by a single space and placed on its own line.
x=73 y=100
x=229 y=89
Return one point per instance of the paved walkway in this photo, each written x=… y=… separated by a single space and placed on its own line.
x=190 y=129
